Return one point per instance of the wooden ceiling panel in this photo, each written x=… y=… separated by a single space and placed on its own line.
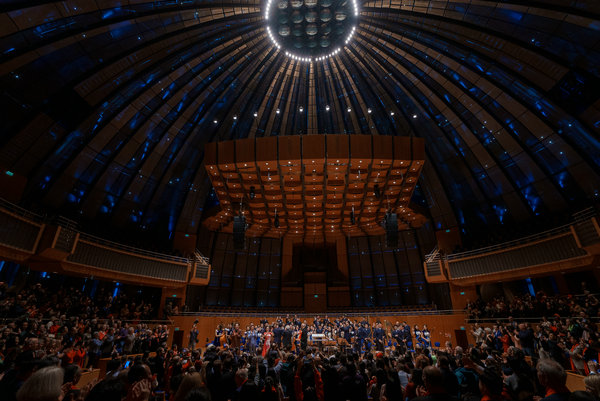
x=315 y=183
x=338 y=148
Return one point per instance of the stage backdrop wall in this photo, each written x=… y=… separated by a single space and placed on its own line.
x=442 y=327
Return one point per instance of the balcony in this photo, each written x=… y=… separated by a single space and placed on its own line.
x=570 y=246
x=55 y=244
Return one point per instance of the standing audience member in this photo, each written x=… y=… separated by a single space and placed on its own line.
x=44 y=385
x=553 y=379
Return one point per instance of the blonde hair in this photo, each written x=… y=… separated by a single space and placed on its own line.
x=43 y=385
x=188 y=383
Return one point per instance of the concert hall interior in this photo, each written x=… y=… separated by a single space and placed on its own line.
x=304 y=179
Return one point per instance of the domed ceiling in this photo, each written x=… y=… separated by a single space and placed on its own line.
x=107 y=105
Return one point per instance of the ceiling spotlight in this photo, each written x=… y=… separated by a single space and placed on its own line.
x=301 y=109
x=277 y=111
x=235 y=117
x=369 y=111
x=327 y=108
x=255 y=114
x=391 y=113
x=349 y=109
x=215 y=121
x=414 y=116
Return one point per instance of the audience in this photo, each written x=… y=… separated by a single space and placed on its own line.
x=47 y=340
x=526 y=306
x=43 y=327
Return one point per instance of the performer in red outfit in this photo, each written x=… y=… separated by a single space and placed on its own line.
x=267 y=336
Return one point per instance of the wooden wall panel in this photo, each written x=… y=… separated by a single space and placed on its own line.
x=360 y=147
x=338 y=148
x=342 y=257
x=290 y=149
x=418 y=148
x=226 y=153
x=402 y=148
x=244 y=152
x=291 y=297
x=210 y=154
x=313 y=146
x=266 y=148
x=12 y=185
x=383 y=146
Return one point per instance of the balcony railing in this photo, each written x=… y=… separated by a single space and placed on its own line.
x=551 y=250
x=545 y=247
x=131 y=249
x=17 y=230
x=96 y=255
x=21 y=229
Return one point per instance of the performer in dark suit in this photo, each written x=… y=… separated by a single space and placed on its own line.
x=379 y=336
x=277 y=334
x=304 y=337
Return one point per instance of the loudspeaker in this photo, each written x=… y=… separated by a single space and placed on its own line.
x=391 y=230
x=239 y=232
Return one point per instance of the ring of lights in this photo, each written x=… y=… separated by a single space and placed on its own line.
x=311 y=30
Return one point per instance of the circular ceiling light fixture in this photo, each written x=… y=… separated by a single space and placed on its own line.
x=311 y=30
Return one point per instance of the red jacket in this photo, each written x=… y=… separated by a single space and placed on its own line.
x=318 y=386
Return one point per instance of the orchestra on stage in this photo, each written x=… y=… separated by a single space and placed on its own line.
x=293 y=334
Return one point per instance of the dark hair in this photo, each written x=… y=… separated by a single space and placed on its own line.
x=417 y=377
x=136 y=373
x=113 y=364
x=198 y=394
x=107 y=390
x=443 y=361
x=70 y=373
x=492 y=380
